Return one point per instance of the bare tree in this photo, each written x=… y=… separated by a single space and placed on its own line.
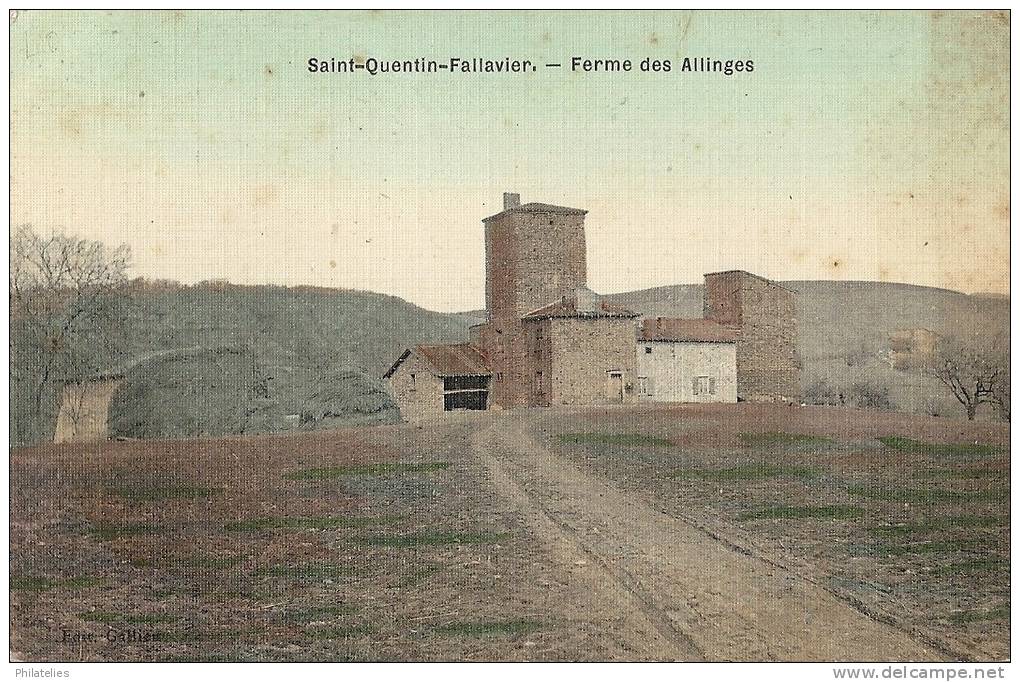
x=972 y=372
x=62 y=309
x=1000 y=393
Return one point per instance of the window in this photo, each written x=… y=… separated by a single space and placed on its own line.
x=413 y=383
x=644 y=385
x=499 y=376
x=648 y=350
x=539 y=388
x=704 y=386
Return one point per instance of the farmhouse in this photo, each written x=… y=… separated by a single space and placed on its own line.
x=687 y=361
x=550 y=340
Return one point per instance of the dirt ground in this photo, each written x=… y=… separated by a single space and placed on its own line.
x=721 y=532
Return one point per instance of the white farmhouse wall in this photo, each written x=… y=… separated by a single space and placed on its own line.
x=669 y=371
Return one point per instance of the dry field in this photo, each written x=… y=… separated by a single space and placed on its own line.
x=653 y=533
x=905 y=517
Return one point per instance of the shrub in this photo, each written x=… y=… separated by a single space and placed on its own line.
x=868 y=395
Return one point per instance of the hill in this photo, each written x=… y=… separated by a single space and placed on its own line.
x=188 y=352
x=844 y=330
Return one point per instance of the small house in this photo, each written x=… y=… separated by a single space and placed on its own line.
x=686 y=361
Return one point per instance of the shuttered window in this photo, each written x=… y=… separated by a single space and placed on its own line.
x=703 y=385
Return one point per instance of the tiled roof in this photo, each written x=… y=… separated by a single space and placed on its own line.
x=568 y=308
x=538 y=208
x=459 y=359
x=674 y=329
x=448 y=359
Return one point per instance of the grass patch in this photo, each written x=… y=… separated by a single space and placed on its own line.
x=166 y=492
x=929 y=525
x=624 y=439
x=349 y=632
x=976 y=615
x=932 y=547
x=432 y=539
x=746 y=472
x=833 y=512
x=303 y=522
x=927 y=495
x=37 y=583
x=973 y=566
x=382 y=469
x=105 y=531
x=308 y=571
x=941 y=449
x=111 y=617
x=494 y=628
x=774 y=438
x=961 y=474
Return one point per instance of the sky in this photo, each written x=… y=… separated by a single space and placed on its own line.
x=863 y=146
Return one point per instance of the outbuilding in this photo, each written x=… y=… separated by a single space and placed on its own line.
x=428 y=380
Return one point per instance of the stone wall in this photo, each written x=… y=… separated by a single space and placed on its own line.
x=582 y=352
x=768 y=368
x=506 y=350
x=417 y=392
x=85 y=411
x=532 y=258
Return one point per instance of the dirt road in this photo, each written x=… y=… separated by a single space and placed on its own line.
x=680 y=593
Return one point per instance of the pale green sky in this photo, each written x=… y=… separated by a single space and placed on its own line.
x=863 y=145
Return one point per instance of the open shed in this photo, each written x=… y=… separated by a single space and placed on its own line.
x=428 y=380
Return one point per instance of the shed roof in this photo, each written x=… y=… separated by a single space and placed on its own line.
x=446 y=360
x=689 y=330
x=535 y=207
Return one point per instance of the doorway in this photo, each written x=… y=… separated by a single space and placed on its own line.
x=614 y=387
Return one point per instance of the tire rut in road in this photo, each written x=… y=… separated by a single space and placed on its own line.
x=644 y=629
x=705 y=598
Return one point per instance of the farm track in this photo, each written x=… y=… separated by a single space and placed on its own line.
x=683 y=592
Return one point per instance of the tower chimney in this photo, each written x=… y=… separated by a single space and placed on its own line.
x=511 y=201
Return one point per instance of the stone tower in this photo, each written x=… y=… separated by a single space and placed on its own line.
x=534 y=255
x=764 y=312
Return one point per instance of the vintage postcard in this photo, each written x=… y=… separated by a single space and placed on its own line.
x=510 y=336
